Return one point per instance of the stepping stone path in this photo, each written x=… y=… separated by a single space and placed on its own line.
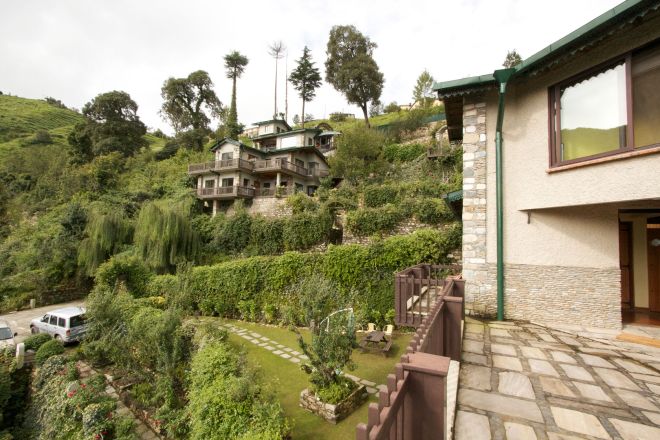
x=143 y=431
x=292 y=355
x=525 y=381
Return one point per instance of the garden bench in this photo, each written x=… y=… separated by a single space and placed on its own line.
x=386 y=347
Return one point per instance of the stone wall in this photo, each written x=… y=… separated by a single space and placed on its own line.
x=272 y=207
x=404 y=228
x=479 y=288
x=333 y=413
x=582 y=296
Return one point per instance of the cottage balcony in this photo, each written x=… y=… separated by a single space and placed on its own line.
x=226 y=192
x=270 y=166
x=221 y=165
x=316 y=173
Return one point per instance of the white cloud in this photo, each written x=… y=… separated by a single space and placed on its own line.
x=74 y=49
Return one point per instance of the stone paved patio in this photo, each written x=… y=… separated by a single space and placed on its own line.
x=525 y=381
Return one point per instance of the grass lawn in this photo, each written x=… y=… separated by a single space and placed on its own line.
x=288 y=380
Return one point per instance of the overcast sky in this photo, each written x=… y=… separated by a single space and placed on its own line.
x=73 y=50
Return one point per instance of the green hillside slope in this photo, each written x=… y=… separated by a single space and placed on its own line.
x=22 y=117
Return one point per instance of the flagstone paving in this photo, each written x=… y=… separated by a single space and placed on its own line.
x=290 y=354
x=525 y=381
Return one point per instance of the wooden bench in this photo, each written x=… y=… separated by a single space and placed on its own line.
x=386 y=347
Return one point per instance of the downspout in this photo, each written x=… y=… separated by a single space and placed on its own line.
x=502 y=77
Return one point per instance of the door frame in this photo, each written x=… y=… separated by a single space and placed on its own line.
x=627 y=227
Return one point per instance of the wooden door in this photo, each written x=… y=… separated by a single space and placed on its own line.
x=653 y=240
x=625 y=264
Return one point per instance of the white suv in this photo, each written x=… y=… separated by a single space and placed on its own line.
x=6 y=336
x=66 y=325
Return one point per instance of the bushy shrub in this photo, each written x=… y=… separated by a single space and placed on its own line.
x=403 y=152
x=433 y=211
x=266 y=236
x=33 y=342
x=304 y=230
x=337 y=391
x=48 y=349
x=226 y=400
x=379 y=195
x=370 y=221
x=301 y=202
x=234 y=234
x=162 y=285
x=126 y=269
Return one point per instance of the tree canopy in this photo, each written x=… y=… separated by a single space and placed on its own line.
x=111 y=125
x=305 y=79
x=190 y=103
x=235 y=66
x=423 y=90
x=351 y=69
x=512 y=59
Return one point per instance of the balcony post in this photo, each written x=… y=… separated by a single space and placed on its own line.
x=215 y=207
x=199 y=181
x=277 y=181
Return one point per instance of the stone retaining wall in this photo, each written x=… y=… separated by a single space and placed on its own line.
x=333 y=413
x=404 y=228
x=584 y=296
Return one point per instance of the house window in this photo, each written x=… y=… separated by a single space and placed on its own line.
x=246 y=182
x=266 y=185
x=299 y=187
x=310 y=141
x=209 y=183
x=228 y=182
x=300 y=163
x=227 y=156
x=311 y=190
x=608 y=110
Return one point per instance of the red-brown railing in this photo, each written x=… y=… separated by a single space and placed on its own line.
x=219 y=165
x=414 y=405
x=416 y=289
x=226 y=191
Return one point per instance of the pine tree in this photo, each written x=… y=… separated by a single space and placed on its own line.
x=305 y=79
x=512 y=59
x=235 y=64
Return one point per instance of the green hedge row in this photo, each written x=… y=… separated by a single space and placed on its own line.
x=258 y=286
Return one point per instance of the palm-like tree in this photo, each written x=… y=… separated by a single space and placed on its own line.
x=235 y=64
x=276 y=50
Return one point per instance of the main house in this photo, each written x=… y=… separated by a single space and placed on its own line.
x=561 y=176
x=283 y=161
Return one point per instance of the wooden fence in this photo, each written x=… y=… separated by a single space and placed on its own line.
x=414 y=405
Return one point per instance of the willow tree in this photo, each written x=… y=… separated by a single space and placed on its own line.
x=105 y=235
x=164 y=236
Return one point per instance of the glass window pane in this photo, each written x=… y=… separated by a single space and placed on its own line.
x=593 y=115
x=53 y=320
x=646 y=97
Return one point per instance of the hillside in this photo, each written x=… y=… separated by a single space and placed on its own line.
x=22 y=117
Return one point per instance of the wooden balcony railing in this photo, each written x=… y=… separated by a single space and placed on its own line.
x=270 y=165
x=414 y=405
x=416 y=289
x=225 y=192
x=221 y=165
x=318 y=173
x=282 y=191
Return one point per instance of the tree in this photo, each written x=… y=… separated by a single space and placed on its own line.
x=187 y=101
x=351 y=69
x=296 y=119
x=392 y=107
x=359 y=154
x=305 y=79
x=276 y=50
x=235 y=64
x=111 y=125
x=376 y=109
x=512 y=59
x=423 y=90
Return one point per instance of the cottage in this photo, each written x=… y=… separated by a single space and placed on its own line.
x=275 y=166
x=561 y=183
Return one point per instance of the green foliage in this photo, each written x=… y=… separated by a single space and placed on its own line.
x=301 y=202
x=22 y=117
x=337 y=391
x=392 y=107
x=365 y=269
x=423 y=90
x=40 y=137
x=104 y=236
x=235 y=66
x=403 y=152
x=266 y=236
x=433 y=212
x=305 y=78
x=165 y=237
x=228 y=401
x=351 y=69
x=127 y=270
x=48 y=349
x=304 y=230
x=512 y=59
x=33 y=342
x=379 y=195
x=14 y=391
x=111 y=125
x=188 y=102
x=234 y=233
x=359 y=154
x=370 y=221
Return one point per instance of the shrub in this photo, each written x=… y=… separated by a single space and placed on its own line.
x=379 y=195
x=234 y=234
x=301 y=202
x=337 y=391
x=433 y=211
x=266 y=236
x=48 y=349
x=370 y=221
x=403 y=152
x=304 y=230
x=33 y=342
x=127 y=269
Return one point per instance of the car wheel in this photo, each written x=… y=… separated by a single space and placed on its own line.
x=58 y=338
x=34 y=330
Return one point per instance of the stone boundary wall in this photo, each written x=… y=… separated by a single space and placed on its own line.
x=404 y=228
x=584 y=296
x=271 y=207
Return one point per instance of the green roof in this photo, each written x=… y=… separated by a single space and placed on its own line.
x=272 y=121
x=593 y=28
x=285 y=133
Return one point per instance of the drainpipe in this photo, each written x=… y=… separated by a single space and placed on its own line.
x=501 y=76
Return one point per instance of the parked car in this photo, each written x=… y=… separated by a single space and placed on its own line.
x=6 y=336
x=66 y=325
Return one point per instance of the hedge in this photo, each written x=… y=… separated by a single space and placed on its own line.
x=403 y=152
x=375 y=196
x=370 y=221
x=261 y=282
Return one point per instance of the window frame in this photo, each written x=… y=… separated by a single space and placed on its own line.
x=554 y=116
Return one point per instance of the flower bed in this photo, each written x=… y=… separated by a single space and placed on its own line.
x=333 y=413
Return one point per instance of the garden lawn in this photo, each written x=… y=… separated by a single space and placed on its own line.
x=288 y=380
